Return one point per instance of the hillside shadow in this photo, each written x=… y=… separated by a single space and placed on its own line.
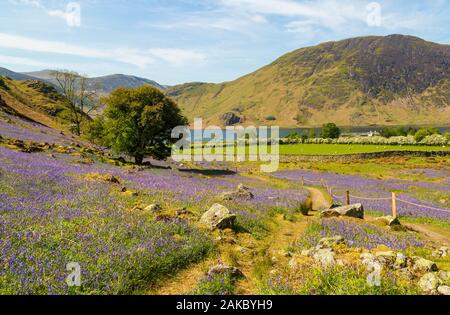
x=209 y=172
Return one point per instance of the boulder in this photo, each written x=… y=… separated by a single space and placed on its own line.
x=444 y=290
x=325 y=256
x=242 y=192
x=218 y=217
x=423 y=265
x=429 y=282
x=441 y=252
x=230 y=119
x=354 y=211
x=388 y=220
x=387 y=259
x=400 y=261
x=330 y=242
x=153 y=208
x=444 y=275
x=223 y=269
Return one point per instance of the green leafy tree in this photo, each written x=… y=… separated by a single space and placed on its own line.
x=422 y=133
x=330 y=131
x=312 y=133
x=139 y=122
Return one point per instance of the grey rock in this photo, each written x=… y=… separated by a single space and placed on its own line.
x=230 y=119
x=444 y=275
x=429 y=282
x=388 y=220
x=441 y=252
x=218 y=217
x=153 y=208
x=387 y=259
x=326 y=257
x=223 y=269
x=423 y=265
x=242 y=192
x=444 y=290
x=354 y=211
x=400 y=261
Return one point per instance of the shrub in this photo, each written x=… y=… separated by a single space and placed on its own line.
x=3 y=84
x=435 y=140
x=304 y=208
x=271 y=118
x=330 y=131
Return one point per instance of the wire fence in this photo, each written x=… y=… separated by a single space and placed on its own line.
x=349 y=196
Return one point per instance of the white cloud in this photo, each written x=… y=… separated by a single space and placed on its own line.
x=34 y=3
x=325 y=12
x=177 y=56
x=72 y=14
x=23 y=61
x=136 y=57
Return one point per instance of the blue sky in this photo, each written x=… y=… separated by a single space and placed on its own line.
x=178 y=41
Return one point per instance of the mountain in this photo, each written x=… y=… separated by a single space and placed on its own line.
x=105 y=84
x=14 y=75
x=392 y=80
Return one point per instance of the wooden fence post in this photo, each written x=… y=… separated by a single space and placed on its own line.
x=348 y=198
x=394 y=205
x=303 y=181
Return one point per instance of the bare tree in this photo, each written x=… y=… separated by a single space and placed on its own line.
x=79 y=99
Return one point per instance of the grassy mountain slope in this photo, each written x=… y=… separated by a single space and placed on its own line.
x=361 y=81
x=35 y=101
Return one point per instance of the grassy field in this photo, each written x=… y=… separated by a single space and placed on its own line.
x=340 y=149
x=337 y=149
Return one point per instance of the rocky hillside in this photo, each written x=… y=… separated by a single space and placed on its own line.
x=360 y=81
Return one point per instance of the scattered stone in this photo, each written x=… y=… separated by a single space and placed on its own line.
x=429 y=282
x=388 y=220
x=218 y=217
x=242 y=192
x=441 y=252
x=153 y=208
x=165 y=218
x=325 y=257
x=423 y=265
x=330 y=242
x=183 y=212
x=444 y=275
x=230 y=119
x=367 y=258
x=354 y=211
x=444 y=290
x=222 y=269
x=400 y=261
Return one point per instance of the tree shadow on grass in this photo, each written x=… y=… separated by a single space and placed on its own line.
x=211 y=172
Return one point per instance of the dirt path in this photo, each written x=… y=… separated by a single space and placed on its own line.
x=247 y=253
x=433 y=234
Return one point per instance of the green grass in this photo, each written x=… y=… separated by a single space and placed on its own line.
x=339 y=149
